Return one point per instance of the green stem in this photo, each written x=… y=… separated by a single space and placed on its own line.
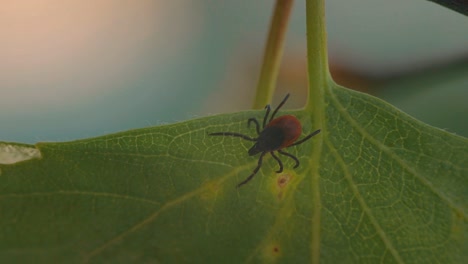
x=317 y=59
x=319 y=79
x=273 y=53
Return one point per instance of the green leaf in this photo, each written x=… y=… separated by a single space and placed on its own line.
x=374 y=186
x=391 y=189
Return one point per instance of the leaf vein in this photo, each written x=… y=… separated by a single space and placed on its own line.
x=364 y=206
x=393 y=155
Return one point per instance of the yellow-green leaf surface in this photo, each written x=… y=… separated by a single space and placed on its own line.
x=390 y=189
x=374 y=186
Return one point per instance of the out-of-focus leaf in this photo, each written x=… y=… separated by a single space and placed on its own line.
x=460 y=6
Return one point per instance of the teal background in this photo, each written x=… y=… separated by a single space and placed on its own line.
x=157 y=62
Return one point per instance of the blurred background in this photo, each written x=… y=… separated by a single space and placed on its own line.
x=83 y=68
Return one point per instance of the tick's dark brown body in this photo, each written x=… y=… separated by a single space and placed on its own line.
x=279 y=133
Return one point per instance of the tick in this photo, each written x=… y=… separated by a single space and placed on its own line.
x=280 y=133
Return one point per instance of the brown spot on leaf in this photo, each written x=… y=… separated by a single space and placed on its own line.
x=271 y=251
x=283 y=180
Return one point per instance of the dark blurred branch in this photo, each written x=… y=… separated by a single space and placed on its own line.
x=460 y=6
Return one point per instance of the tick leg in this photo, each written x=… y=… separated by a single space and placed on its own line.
x=279 y=106
x=306 y=138
x=232 y=134
x=254 y=171
x=291 y=156
x=279 y=162
x=257 y=126
x=267 y=107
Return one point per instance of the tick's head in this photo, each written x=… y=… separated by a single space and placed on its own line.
x=254 y=150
